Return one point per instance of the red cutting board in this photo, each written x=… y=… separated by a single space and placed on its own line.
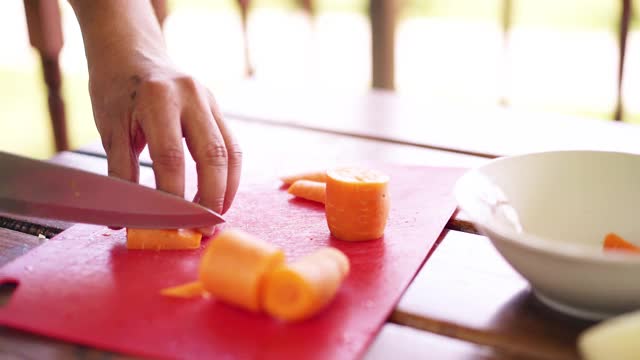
x=84 y=286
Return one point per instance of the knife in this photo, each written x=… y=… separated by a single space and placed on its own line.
x=40 y=189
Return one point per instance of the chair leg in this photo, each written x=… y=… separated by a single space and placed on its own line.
x=383 y=22
x=625 y=20
x=308 y=7
x=53 y=80
x=160 y=9
x=506 y=16
x=45 y=34
x=244 y=17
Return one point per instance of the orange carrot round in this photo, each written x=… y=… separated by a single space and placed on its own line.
x=234 y=265
x=615 y=242
x=161 y=239
x=308 y=189
x=357 y=203
x=320 y=176
x=300 y=290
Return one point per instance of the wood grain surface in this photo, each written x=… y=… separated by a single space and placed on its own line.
x=468 y=291
x=403 y=342
x=466 y=302
x=487 y=131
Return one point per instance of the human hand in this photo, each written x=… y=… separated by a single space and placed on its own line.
x=138 y=100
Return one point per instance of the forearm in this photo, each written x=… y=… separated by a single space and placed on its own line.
x=118 y=30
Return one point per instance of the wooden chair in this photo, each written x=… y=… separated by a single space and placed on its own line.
x=244 y=6
x=383 y=15
x=45 y=35
x=383 y=21
x=623 y=32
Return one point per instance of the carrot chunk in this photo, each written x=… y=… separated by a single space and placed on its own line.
x=161 y=239
x=186 y=291
x=357 y=203
x=300 y=290
x=308 y=189
x=320 y=176
x=615 y=242
x=234 y=266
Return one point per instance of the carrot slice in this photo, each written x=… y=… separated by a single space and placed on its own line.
x=234 y=265
x=320 y=176
x=613 y=241
x=186 y=291
x=300 y=290
x=357 y=203
x=308 y=189
x=160 y=239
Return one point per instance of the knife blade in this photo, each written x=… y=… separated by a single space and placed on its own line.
x=40 y=189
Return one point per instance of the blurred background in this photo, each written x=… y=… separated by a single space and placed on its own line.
x=560 y=56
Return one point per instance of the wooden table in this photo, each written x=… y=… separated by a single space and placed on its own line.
x=466 y=301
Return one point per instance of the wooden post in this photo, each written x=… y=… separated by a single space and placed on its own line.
x=383 y=24
x=625 y=19
x=244 y=16
x=308 y=6
x=160 y=9
x=506 y=17
x=45 y=34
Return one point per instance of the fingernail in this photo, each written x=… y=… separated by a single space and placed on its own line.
x=207 y=231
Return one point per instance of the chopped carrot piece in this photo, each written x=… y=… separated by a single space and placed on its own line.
x=161 y=239
x=186 y=291
x=301 y=289
x=320 y=176
x=234 y=265
x=357 y=203
x=308 y=189
x=615 y=242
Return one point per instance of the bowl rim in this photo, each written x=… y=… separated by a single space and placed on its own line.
x=567 y=250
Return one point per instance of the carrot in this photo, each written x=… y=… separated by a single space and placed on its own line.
x=234 y=265
x=320 y=176
x=300 y=290
x=357 y=203
x=615 y=242
x=186 y=291
x=159 y=239
x=308 y=189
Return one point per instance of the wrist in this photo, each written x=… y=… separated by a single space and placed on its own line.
x=119 y=34
x=125 y=60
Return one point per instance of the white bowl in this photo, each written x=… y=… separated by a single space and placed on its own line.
x=566 y=202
